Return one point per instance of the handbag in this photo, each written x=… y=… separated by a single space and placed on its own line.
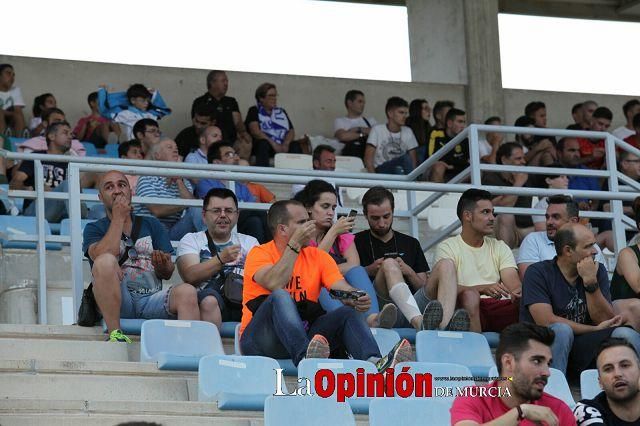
x=88 y=313
x=232 y=283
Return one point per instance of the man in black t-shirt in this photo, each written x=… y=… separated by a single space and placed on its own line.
x=619 y=376
x=228 y=117
x=396 y=264
x=188 y=140
x=510 y=228
x=455 y=160
x=58 y=136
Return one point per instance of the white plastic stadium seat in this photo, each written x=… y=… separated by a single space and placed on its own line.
x=284 y=160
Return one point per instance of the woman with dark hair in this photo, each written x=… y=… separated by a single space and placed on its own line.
x=41 y=103
x=320 y=200
x=418 y=121
x=270 y=126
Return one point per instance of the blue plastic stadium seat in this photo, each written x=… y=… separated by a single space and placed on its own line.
x=589 y=386
x=286 y=364
x=308 y=368
x=385 y=339
x=409 y=411
x=131 y=326
x=407 y=333
x=310 y=411
x=4 y=195
x=458 y=347
x=91 y=149
x=237 y=382
x=111 y=150
x=91 y=204
x=178 y=345
x=557 y=385
x=493 y=338
x=228 y=328
x=15 y=142
x=65 y=229
x=11 y=226
x=442 y=370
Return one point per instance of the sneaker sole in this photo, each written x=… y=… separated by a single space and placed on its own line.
x=404 y=353
x=459 y=321
x=432 y=315
x=318 y=349
x=388 y=316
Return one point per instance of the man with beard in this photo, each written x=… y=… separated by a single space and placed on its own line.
x=205 y=258
x=538 y=246
x=523 y=356
x=619 y=376
x=129 y=257
x=480 y=268
x=570 y=294
x=396 y=264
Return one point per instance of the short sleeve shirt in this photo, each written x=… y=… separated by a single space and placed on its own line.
x=225 y=107
x=597 y=412
x=458 y=157
x=197 y=243
x=587 y=146
x=390 y=145
x=483 y=409
x=11 y=98
x=312 y=270
x=156 y=186
x=152 y=236
x=346 y=123
x=476 y=265
x=54 y=173
x=343 y=242
x=537 y=247
x=544 y=283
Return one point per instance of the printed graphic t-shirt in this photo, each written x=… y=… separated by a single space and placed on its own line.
x=313 y=270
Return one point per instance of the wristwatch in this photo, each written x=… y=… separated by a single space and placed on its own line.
x=520 y=412
x=591 y=288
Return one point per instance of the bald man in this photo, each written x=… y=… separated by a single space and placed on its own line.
x=570 y=294
x=129 y=257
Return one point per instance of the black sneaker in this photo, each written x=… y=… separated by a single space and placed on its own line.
x=459 y=321
x=401 y=352
x=432 y=315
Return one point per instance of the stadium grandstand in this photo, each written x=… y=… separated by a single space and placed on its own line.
x=174 y=251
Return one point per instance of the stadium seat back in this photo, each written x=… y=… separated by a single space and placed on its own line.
x=441 y=370
x=283 y=160
x=409 y=411
x=386 y=339
x=91 y=149
x=465 y=348
x=237 y=382
x=14 y=142
x=349 y=164
x=14 y=226
x=308 y=368
x=589 y=386
x=557 y=385
x=111 y=150
x=178 y=345
x=310 y=411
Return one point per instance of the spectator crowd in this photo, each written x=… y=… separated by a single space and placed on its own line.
x=298 y=280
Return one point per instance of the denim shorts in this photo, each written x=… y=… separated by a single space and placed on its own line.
x=228 y=310
x=421 y=299
x=146 y=306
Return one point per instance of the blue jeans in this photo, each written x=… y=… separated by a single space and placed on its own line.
x=54 y=210
x=357 y=277
x=191 y=221
x=277 y=331
x=583 y=348
x=398 y=166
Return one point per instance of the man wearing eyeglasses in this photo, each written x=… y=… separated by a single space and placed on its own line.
x=148 y=133
x=206 y=258
x=250 y=222
x=129 y=258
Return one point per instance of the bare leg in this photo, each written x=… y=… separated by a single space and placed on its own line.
x=442 y=285
x=210 y=311
x=630 y=311
x=389 y=277
x=183 y=301
x=469 y=299
x=605 y=240
x=106 y=289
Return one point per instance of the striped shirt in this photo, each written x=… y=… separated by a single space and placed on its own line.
x=156 y=186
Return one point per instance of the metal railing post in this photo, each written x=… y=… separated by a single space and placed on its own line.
x=619 y=237
x=75 y=216
x=41 y=244
x=413 y=219
x=474 y=155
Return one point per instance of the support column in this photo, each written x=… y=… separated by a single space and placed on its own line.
x=484 y=90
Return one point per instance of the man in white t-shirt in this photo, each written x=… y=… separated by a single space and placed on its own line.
x=353 y=129
x=206 y=258
x=482 y=268
x=11 y=102
x=630 y=109
x=391 y=147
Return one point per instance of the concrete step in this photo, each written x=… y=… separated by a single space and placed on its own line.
x=69 y=350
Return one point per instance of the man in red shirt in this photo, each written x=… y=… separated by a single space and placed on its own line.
x=523 y=355
x=592 y=151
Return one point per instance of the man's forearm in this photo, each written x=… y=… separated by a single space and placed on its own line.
x=598 y=307
x=279 y=275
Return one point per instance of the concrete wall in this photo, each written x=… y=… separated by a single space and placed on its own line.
x=312 y=102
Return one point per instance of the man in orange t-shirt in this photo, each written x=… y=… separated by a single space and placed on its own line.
x=281 y=316
x=592 y=152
